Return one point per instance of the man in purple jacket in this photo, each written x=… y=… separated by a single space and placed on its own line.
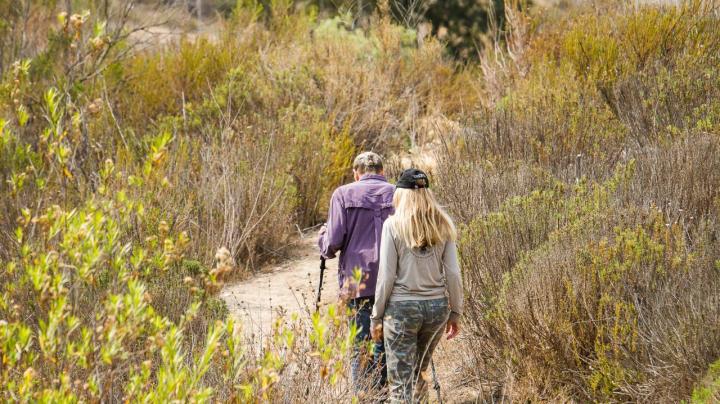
x=355 y=220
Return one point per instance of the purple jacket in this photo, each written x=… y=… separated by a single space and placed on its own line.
x=355 y=220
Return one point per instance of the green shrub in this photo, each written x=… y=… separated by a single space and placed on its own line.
x=709 y=391
x=587 y=192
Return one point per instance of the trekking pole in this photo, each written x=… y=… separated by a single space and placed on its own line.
x=436 y=383
x=319 y=289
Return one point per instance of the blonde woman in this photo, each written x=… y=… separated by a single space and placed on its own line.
x=419 y=290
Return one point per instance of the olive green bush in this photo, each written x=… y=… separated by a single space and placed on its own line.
x=587 y=191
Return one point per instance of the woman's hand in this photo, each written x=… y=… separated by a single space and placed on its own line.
x=452 y=328
x=377 y=333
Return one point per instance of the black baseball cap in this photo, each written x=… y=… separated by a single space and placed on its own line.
x=413 y=179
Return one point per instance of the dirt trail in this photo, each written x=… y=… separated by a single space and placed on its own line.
x=289 y=287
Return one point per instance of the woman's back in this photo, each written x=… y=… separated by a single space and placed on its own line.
x=418 y=292
x=419 y=272
x=408 y=273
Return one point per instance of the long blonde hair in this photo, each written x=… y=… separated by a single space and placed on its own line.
x=419 y=220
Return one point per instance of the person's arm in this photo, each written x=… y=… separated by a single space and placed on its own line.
x=332 y=239
x=454 y=287
x=387 y=273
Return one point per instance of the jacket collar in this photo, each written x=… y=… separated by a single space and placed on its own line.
x=365 y=177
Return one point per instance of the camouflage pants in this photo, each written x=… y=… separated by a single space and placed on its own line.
x=412 y=329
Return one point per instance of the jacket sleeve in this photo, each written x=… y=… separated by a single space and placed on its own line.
x=333 y=239
x=453 y=279
x=387 y=273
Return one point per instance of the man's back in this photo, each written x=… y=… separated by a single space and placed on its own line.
x=355 y=220
x=354 y=227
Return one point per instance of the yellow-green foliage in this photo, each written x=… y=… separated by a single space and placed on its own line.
x=101 y=327
x=587 y=82
x=92 y=314
x=568 y=287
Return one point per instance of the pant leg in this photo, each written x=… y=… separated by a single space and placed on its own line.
x=401 y=324
x=380 y=364
x=359 y=361
x=436 y=313
x=375 y=373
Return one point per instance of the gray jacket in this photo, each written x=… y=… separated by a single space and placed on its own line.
x=416 y=274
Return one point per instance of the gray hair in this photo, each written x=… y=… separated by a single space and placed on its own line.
x=368 y=162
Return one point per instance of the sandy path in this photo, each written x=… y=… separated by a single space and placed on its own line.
x=287 y=288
